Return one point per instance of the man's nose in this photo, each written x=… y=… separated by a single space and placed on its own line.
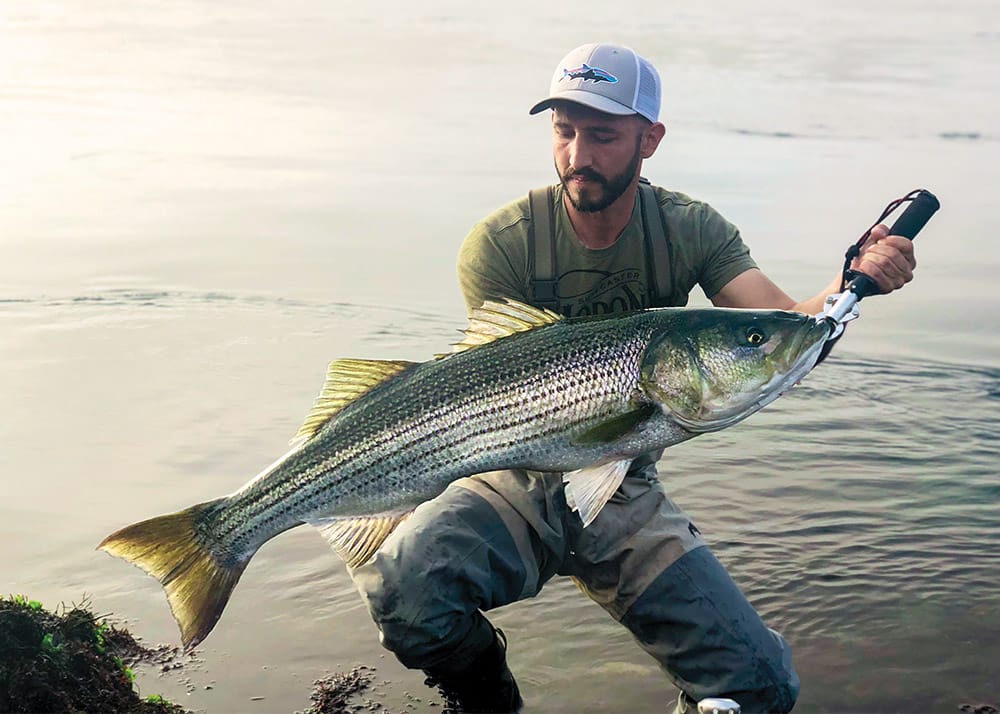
x=579 y=154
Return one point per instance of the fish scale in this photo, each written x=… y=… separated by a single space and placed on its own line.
x=360 y=457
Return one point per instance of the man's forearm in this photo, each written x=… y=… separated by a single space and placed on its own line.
x=814 y=305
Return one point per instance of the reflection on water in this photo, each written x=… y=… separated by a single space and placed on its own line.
x=859 y=512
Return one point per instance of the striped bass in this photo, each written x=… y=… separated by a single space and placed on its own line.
x=524 y=389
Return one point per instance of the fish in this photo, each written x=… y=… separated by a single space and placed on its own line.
x=588 y=73
x=525 y=388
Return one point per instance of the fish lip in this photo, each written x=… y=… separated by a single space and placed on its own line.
x=772 y=389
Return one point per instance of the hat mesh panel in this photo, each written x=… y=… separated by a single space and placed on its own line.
x=648 y=100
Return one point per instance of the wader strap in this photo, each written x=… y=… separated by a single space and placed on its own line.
x=654 y=228
x=542 y=246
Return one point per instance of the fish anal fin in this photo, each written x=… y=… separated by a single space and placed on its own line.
x=198 y=586
x=495 y=320
x=355 y=540
x=346 y=381
x=616 y=427
x=587 y=490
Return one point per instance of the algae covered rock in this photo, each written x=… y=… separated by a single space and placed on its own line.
x=67 y=661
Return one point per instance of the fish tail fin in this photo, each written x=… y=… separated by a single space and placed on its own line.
x=167 y=547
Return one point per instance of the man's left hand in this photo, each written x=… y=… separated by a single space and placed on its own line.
x=886 y=259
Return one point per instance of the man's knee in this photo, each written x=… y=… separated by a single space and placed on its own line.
x=782 y=691
x=770 y=684
x=694 y=620
x=393 y=599
x=425 y=586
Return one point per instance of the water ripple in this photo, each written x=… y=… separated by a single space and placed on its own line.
x=871 y=498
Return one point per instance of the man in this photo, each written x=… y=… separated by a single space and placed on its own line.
x=599 y=241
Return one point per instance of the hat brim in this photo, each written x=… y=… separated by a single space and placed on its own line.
x=588 y=99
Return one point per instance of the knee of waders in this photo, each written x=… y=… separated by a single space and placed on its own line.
x=775 y=684
x=785 y=693
x=439 y=645
x=777 y=697
x=426 y=586
x=422 y=616
x=397 y=607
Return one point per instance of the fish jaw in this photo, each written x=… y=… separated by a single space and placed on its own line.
x=718 y=366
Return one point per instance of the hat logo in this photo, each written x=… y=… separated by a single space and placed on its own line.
x=588 y=74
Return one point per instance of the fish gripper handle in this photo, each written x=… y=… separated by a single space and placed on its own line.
x=912 y=220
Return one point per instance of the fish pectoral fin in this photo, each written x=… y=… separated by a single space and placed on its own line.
x=346 y=381
x=616 y=427
x=587 y=490
x=355 y=540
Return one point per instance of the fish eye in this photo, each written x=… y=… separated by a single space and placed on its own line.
x=756 y=336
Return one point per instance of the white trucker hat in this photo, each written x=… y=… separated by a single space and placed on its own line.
x=608 y=78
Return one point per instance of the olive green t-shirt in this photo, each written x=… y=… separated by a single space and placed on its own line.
x=703 y=247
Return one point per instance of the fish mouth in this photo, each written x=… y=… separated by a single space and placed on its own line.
x=808 y=344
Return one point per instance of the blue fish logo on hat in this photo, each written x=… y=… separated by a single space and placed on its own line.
x=589 y=74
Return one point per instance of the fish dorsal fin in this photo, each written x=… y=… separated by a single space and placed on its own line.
x=495 y=320
x=346 y=380
x=356 y=539
x=587 y=490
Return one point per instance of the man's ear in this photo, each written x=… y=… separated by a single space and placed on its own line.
x=651 y=139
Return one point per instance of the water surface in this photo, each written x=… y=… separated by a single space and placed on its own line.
x=202 y=204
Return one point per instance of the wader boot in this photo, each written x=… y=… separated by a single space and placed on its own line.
x=709 y=705
x=484 y=686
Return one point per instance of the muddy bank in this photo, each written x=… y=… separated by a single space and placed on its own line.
x=70 y=660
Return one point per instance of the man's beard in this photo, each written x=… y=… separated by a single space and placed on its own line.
x=611 y=189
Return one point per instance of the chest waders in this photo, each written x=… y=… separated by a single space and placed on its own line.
x=542 y=248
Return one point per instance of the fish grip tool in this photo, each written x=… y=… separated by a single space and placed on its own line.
x=842 y=307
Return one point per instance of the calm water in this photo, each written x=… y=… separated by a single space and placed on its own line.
x=202 y=204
